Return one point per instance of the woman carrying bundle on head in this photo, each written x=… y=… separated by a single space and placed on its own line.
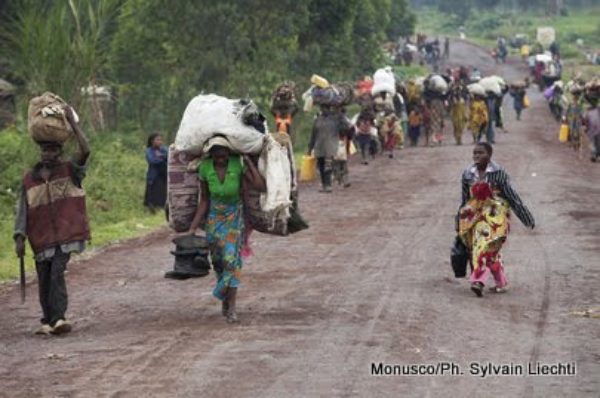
x=222 y=177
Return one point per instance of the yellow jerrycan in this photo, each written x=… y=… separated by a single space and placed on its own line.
x=563 y=135
x=308 y=170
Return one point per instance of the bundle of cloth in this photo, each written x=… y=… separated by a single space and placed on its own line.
x=243 y=130
x=321 y=92
x=208 y=115
x=435 y=87
x=414 y=90
x=476 y=89
x=275 y=212
x=383 y=90
x=384 y=81
x=46 y=119
x=494 y=85
x=283 y=100
x=339 y=94
x=183 y=188
x=591 y=91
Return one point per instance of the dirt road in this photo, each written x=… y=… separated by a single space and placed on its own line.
x=369 y=282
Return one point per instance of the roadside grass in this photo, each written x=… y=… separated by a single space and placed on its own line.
x=114 y=185
x=483 y=27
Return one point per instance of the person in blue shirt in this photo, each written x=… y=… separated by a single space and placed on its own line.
x=156 y=177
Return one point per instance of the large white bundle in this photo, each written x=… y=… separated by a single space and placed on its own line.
x=476 y=89
x=491 y=85
x=384 y=81
x=546 y=35
x=501 y=82
x=274 y=166
x=207 y=115
x=545 y=57
x=438 y=84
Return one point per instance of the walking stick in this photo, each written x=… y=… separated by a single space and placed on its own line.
x=22 y=279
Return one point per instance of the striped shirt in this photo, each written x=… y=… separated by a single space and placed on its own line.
x=499 y=179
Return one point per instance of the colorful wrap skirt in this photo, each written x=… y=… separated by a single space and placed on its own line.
x=484 y=224
x=224 y=232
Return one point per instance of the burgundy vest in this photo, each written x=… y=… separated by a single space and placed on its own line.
x=56 y=212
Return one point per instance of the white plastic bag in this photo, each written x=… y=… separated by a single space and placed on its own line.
x=208 y=115
x=384 y=81
x=308 y=99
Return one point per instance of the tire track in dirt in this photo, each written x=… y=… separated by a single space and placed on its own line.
x=370 y=281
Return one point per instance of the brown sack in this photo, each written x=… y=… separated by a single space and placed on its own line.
x=49 y=128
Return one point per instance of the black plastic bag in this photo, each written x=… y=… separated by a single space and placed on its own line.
x=459 y=257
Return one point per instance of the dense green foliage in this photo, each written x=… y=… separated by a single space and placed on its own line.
x=114 y=185
x=157 y=57
x=486 y=26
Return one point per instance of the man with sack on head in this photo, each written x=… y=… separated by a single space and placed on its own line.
x=51 y=214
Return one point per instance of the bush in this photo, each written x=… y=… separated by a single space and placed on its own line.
x=114 y=185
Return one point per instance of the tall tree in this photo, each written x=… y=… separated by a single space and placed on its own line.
x=460 y=8
x=402 y=20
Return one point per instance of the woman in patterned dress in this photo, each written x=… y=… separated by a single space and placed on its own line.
x=222 y=176
x=484 y=217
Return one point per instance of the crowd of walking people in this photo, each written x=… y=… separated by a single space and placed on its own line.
x=242 y=173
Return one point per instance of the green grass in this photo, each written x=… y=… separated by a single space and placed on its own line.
x=483 y=27
x=114 y=184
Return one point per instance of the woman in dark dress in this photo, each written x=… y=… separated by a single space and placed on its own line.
x=156 y=177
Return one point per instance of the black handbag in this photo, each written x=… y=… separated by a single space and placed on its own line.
x=459 y=257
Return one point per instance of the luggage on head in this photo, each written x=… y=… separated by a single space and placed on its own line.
x=207 y=115
x=283 y=100
x=476 y=89
x=437 y=84
x=339 y=94
x=46 y=119
x=384 y=81
x=491 y=85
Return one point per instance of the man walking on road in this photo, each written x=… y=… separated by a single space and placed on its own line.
x=51 y=213
x=324 y=141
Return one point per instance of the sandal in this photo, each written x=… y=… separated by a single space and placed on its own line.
x=499 y=290
x=477 y=288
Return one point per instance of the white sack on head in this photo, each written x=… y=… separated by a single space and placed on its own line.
x=545 y=57
x=476 y=89
x=501 y=82
x=438 y=84
x=208 y=115
x=491 y=85
x=384 y=81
